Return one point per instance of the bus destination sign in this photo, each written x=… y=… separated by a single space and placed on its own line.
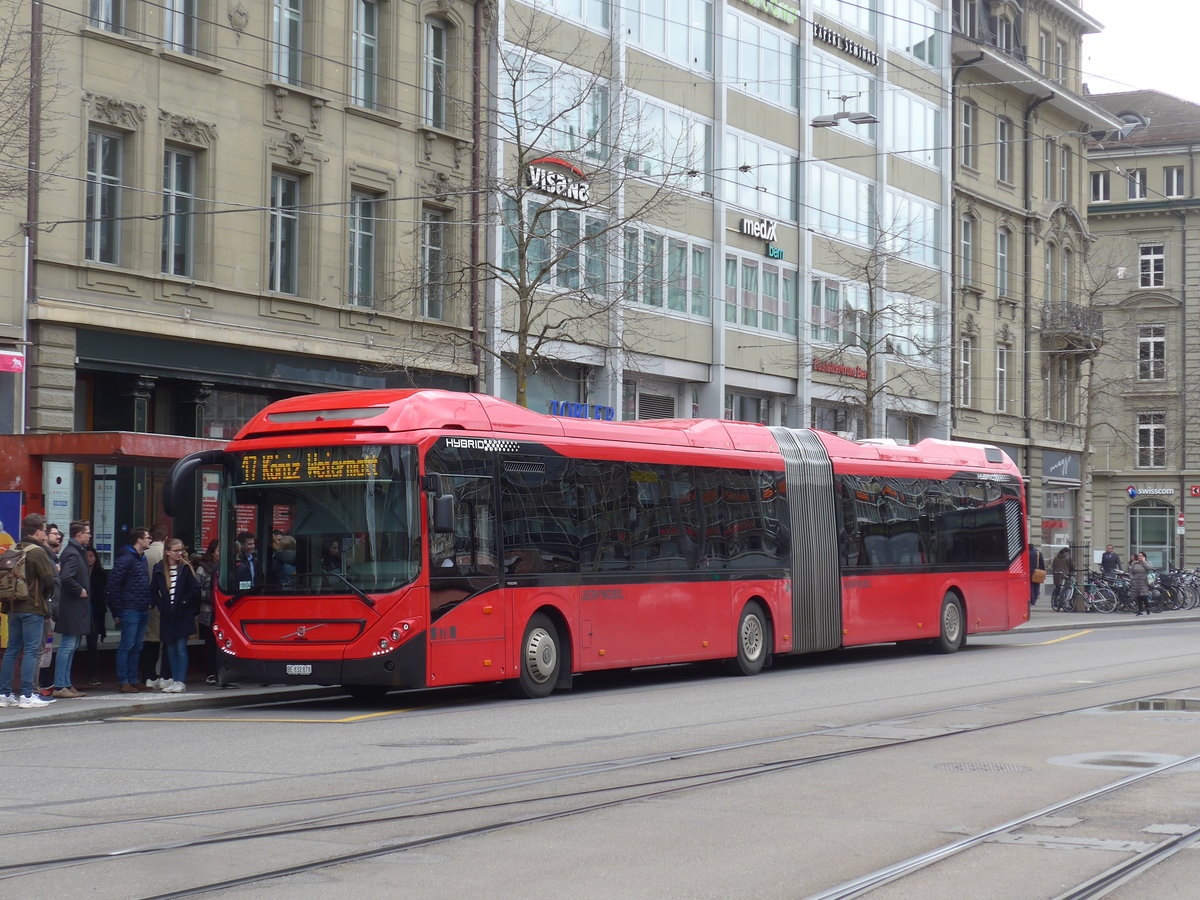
x=309 y=464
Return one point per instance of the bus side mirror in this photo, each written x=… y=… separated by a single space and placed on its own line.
x=443 y=514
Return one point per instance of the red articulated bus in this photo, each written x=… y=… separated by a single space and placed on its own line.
x=418 y=538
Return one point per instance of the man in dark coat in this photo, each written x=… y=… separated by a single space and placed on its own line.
x=74 y=605
x=129 y=599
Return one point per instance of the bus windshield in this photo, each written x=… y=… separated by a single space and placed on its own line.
x=320 y=520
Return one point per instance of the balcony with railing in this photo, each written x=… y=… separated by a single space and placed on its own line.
x=1069 y=326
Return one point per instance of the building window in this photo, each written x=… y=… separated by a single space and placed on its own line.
x=365 y=53
x=433 y=264
x=1044 y=45
x=1068 y=274
x=1061 y=61
x=765 y=175
x=1062 y=386
x=839 y=312
x=1049 y=155
x=179 y=25
x=1152 y=352
x=966 y=14
x=364 y=222
x=1100 y=187
x=1173 y=181
x=970 y=127
x=915 y=28
x=287 y=35
x=912 y=128
x=839 y=419
x=966 y=249
x=855 y=13
x=840 y=203
x=1151 y=438
x=594 y=13
x=761 y=60
x=681 y=31
x=436 y=60
x=1137 y=184
x=1051 y=273
x=966 y=371
x=1002 y=32
x=1003 y=355
x=284 y=249
x=179 y=206
x=1152 y=266
x=1003 y=240
x=1004 y=150
x=1064 y=174
x=105 y=166
x=107 y=14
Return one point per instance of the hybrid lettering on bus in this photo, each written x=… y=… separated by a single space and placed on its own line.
x=422 y=538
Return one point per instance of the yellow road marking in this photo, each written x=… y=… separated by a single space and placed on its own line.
x=345 y=721
x=1056 y=640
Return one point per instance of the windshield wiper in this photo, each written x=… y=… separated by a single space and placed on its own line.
x=361 y=594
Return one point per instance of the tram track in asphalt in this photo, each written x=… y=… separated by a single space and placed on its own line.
x=1097 y=885
x=515 y=812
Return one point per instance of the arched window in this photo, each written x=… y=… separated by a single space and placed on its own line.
x=436 y=65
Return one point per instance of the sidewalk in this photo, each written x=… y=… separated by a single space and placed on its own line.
x=1043 y=618
x=106 y=702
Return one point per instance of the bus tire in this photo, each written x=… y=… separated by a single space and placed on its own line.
x=751 y=638
x=952 y=625
x=541 y=658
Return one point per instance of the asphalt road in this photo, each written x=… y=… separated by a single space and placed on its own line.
x=674 y=782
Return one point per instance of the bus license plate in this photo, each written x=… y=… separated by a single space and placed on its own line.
x=299 y=669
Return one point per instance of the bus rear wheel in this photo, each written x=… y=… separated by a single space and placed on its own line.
x=541 y=658
x=953 y=626
x=752 y=632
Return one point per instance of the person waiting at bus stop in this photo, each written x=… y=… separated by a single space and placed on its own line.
x=1061 y=569
x=129 y=599
x=1139 y=582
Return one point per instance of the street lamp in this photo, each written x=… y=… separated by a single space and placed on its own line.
x=854 y=118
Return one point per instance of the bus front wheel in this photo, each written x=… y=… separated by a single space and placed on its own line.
x=541 y=658
x=953 y=626
x=752 y=632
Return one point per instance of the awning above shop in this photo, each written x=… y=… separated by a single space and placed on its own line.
x=22 y=455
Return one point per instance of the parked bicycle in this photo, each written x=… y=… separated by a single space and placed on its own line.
x=1096 y=595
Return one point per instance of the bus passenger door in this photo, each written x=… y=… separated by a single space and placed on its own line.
x=467 y=619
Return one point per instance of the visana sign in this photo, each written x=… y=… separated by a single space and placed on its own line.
x=558 y=178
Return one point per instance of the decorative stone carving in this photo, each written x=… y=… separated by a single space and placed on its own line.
x=112 y=111
x=277 y=98
x=292 y=147
x=315 y=105
x=239 y=18
x=430 y=140
x=460 y=150
x=187 y=129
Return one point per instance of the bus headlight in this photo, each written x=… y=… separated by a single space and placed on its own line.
x=383 y=643
x=395 y=636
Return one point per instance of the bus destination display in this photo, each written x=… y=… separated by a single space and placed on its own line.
x=309 y=464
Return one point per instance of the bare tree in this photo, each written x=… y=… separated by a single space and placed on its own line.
x=886 y=331
x=578 y=170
